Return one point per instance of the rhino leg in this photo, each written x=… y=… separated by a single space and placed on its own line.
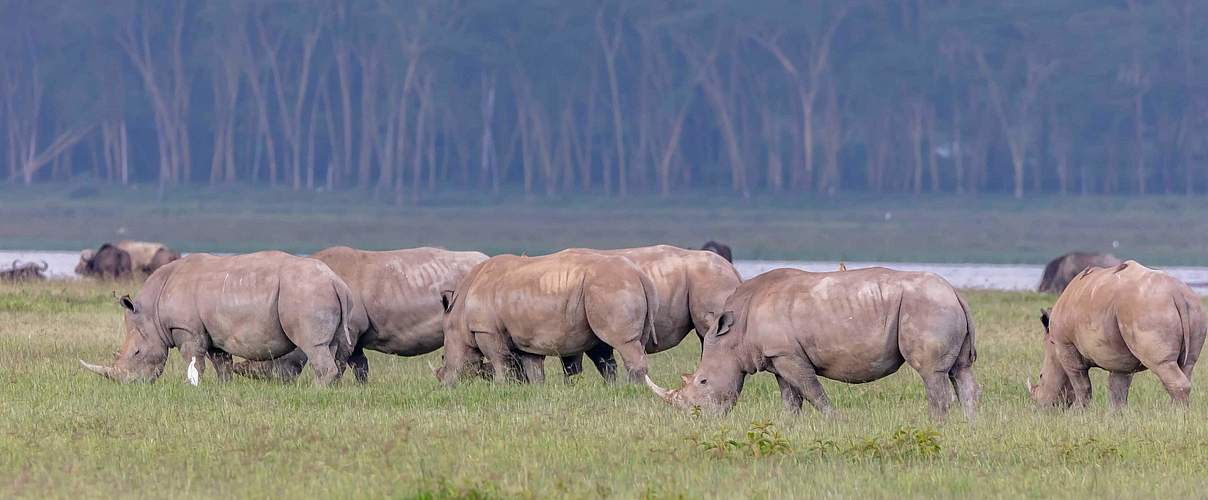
x=572 y=365
x=359 y=364
x=503 y=360
x=605 y=363
x=222 y=364
x=799 y=374
x=938 y=389
x=1117 y=387
x=534 y=367
x=1176 y=382
x=790 y=395
x=967 y=390
x=1077 y=371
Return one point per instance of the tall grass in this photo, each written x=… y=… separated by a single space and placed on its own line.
x=68 y=433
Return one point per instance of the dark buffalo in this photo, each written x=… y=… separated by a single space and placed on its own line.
x=109 y=262
x=1063 y=269
x=719 y=249
x=28 y=271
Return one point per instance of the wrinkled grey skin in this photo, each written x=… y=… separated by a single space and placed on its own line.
x=719 y=249
x=257 y=306
x=1059 y=271
x=397 y=304
x=852 y=326
x=690 y=285
x=1124 y=320
x=515 y=311
x=108 y=262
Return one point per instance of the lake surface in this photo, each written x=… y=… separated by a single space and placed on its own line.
x=983 y=276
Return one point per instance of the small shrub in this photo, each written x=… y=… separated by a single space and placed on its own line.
x=1088 y=451
x=762 y=440
x=905 y=444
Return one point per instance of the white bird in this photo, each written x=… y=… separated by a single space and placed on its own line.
x=192 y=376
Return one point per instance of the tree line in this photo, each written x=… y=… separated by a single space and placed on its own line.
x=619 y=97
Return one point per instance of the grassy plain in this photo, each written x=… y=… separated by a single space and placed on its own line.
x=65 y=433
x=1159 y=230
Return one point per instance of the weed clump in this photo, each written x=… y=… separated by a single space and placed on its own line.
x=761 y=440
x=905 y=444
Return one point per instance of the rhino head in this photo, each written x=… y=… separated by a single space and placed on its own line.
x=143 y=353
x=715 y=386
x=1054 y=388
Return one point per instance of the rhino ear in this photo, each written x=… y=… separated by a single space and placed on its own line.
x=686 y=378
x=723 y=324
x=129 y=304
x=446 y=300
x=1044 y=318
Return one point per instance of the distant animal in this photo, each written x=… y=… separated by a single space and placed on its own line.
x=107 y=262
x=690 y=284
x=1123 y=319
x=257 y=306
x=28 y=271
x=397 y=304
x=719 y=249
x=515 y=311
x=1059 y=271
x=852 y=326
x=147 y=256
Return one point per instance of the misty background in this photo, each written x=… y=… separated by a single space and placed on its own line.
x=611 y=98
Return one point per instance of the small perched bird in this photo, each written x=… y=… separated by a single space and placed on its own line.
x=192 y=375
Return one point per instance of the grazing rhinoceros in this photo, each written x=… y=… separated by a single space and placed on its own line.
x=147 y=256
x=853 y=326
x=1059 y=271
x=28 y=271
x=397 y=304
x=511 y=309
x=257 y=306
x=108 y=262
x=1122 y=319
x=690 y=285
x=719 y=249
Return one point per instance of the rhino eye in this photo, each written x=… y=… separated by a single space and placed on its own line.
x=702 y=381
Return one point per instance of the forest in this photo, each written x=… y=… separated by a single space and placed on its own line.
x=544 y=98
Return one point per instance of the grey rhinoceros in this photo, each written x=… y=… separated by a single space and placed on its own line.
x=397 y=304
x=1122 y=319
x=257 y=306
x=852 y=326
x=515 y=311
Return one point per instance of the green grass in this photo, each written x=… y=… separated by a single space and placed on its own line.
x=1158 y=230
x=65 y=433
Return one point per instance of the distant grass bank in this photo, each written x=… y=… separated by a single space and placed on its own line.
x=65 y=433
x=989 y=229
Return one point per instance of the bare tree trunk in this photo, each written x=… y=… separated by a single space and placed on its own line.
x=610 y=44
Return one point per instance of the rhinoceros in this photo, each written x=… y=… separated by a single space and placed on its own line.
x=1059 y=271
x=107 y=262
x=689 y=283
x=518 y=310
x=257 y=306
x=147 y=256
x=852 y=326
x=397 y=304
x=1122 y=319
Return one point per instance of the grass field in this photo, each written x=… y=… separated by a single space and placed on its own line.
x=1156 y=230
x=65 y=433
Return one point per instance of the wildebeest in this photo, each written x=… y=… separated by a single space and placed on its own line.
x=107 y=262
x=719 y=249
x=257 y=306
x=853 y=326
x=523 y=309
x=397 y=304
x=690 y=285
x=1122 y=319
x=1059 y=271
x=28 y=271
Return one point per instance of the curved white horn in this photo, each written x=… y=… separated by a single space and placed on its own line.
x=1029 y=384
x=103 y=371
x=661 y=392
x=431 y=366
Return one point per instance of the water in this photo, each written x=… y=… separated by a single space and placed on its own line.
x=980 y=276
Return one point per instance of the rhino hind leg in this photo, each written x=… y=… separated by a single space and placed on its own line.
x=534 y=367
x=936 y=385
x=222 y=364
x=790 y=395
x=1175 y=381
x=965 y=385
x=572 y=366
x=359 y=364
x=802 y=378
x=1117 y=387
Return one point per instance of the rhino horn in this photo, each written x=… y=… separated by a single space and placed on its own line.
x=104 y=371
x=661 y=392
x=1029 y=384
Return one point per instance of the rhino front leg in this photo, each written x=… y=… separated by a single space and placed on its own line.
x=800 y=375
x=791 y=396
x=1117 y=387
x=572 y=365
x=222 y=364
x=359 y=364
x=534 y=367
x=503 y=361
x=605 y=363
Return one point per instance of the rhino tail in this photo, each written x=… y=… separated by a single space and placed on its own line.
x=1180 y=306
x=652 y=304
x=344 y=296
x=968 y=353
